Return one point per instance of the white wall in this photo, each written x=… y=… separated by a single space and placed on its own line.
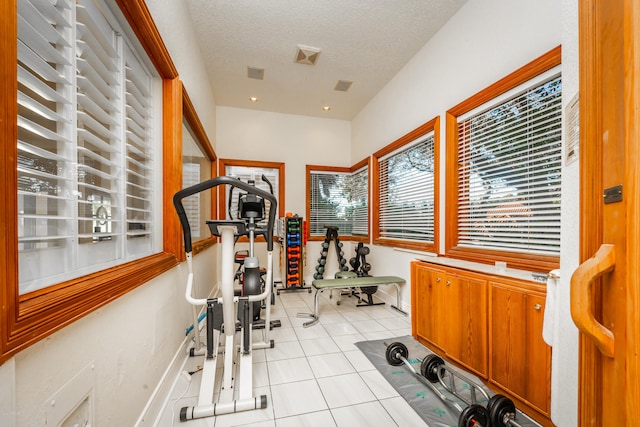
x=129 y=342
x=564 y=374
x=483 y=42
x=292 y=139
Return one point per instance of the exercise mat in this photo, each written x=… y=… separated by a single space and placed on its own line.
x=420 y=397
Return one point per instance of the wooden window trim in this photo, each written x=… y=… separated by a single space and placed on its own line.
x=222 y=197
x=191 y=116
x=536 y=67
x=26 y=319
x=309 y=168
x=431 y=125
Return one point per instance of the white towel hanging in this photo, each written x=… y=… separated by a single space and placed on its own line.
x=550 y=307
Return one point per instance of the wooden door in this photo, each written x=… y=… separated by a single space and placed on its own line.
x=605 y=289
x=465 y=329
x=427 y=284
x=520 y=360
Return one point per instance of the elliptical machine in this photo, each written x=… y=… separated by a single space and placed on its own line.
x=221 y=315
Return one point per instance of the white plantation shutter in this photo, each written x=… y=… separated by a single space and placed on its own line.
x=72 y=118
x=98 y=115
x=339 y=199
x=406 y=186
x=509 y=173
x=46 y=155
x=139 y=154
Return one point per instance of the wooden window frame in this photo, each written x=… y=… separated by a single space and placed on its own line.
x=362 y=163
x=192 y=119
x=432 y=125
x=26 y=319
x=533 y=262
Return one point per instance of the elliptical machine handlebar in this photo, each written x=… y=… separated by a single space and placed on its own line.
x=214 y=182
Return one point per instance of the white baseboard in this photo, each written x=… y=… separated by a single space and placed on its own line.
x=161 y=394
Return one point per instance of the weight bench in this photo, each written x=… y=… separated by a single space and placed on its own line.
x=321 y=285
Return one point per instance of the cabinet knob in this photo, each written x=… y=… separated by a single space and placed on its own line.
x=437 y=279
x=448 y=282
x=537 y=306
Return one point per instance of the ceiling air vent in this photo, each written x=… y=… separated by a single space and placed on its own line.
x=307 y=55
x=255 y=73
x=343 y=85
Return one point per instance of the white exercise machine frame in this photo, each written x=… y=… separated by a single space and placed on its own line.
x=237 y=381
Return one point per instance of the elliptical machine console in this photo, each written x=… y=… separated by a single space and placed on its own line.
x=227 y=310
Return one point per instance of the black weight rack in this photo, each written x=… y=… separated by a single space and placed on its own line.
x=332 y=235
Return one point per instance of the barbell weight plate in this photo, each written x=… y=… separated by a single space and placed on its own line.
x=473 y=416
x=429 y=367
x=500 y=407
x=492 y=402
x=394 y=351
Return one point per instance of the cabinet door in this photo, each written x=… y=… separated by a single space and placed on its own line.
x=427 y=285
x=520 y=359
x=464 y=327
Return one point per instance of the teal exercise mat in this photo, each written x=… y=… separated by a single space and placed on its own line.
x=420 y=397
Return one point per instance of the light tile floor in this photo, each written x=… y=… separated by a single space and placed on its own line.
x=313 y=376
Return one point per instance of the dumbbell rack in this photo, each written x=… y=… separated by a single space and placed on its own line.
x=292 y=239
x=332 y=234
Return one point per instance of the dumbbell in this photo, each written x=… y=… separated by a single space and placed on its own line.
x=364 y=250
x=502 y=412
x=366 y=267
x=322 y=261
x=325 y=245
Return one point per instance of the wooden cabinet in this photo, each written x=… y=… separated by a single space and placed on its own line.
x=520 y=359
x=453 y=314
x=465 y=330
x=488 y=324
x=427 y=325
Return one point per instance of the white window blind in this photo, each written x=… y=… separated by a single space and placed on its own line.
x=509 y=173
x=246 y=174
x=139 y=154
x=406 y=186
x=71 y=154
x=339 y=199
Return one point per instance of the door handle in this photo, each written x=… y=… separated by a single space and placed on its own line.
x=602 y=262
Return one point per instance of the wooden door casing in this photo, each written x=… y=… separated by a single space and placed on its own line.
x=609 y=35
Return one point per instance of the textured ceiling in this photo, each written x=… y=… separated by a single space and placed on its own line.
x=364 y=41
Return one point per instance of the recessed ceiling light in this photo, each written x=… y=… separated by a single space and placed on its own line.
x=253 y=99
x=326 y=108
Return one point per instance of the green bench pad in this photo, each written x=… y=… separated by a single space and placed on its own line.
x=357 y=281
